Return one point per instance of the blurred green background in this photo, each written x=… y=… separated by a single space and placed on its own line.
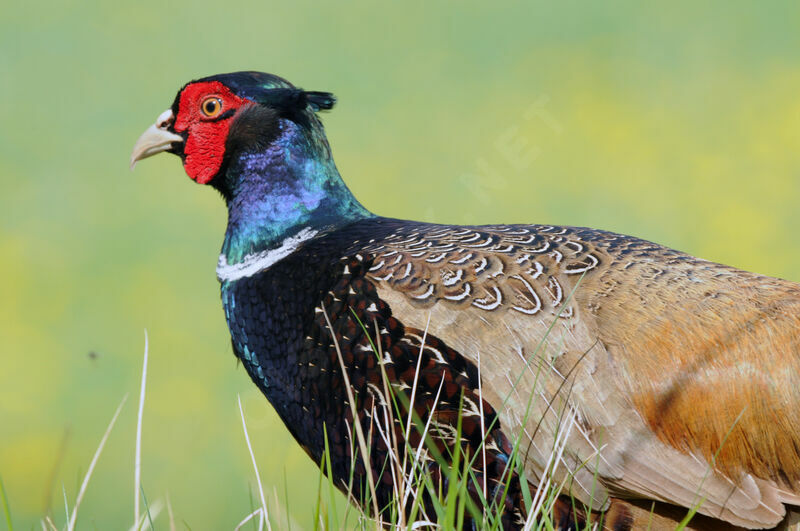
x=679 y=125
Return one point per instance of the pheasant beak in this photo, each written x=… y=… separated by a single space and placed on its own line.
x=156 y=138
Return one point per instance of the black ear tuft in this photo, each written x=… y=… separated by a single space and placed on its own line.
x=320 y=101
x=288 y=101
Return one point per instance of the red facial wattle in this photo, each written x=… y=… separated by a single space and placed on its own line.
x=205 y=135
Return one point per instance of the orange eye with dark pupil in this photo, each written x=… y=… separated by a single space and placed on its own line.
x=211 y=107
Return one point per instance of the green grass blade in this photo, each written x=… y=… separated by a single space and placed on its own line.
x=146 y=507
x=6 y=506
x=333 y=515
x=66 y=504
x=318 y=507
x=683 y=523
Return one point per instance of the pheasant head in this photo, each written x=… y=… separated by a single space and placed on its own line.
x=257 y=139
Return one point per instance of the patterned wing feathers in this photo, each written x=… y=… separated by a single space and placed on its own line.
x=660 y=357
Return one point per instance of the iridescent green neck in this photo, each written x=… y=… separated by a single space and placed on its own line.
x=274 y=193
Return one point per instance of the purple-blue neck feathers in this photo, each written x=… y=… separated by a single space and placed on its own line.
x=277 y=191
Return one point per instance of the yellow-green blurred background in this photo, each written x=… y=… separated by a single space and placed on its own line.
x=679 y=125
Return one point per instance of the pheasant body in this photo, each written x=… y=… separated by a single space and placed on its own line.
x=668 y=377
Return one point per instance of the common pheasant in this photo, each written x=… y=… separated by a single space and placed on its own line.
x=677 y=377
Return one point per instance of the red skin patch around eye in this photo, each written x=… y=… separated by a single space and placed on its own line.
x=205 y=141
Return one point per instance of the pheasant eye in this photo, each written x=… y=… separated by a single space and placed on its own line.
x=211 y=107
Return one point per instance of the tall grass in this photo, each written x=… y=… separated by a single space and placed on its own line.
x=412 y=481
x=418 y=501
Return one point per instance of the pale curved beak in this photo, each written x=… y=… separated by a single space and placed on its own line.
x=156 y=139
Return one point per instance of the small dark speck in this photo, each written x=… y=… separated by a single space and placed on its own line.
x=93 y=355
